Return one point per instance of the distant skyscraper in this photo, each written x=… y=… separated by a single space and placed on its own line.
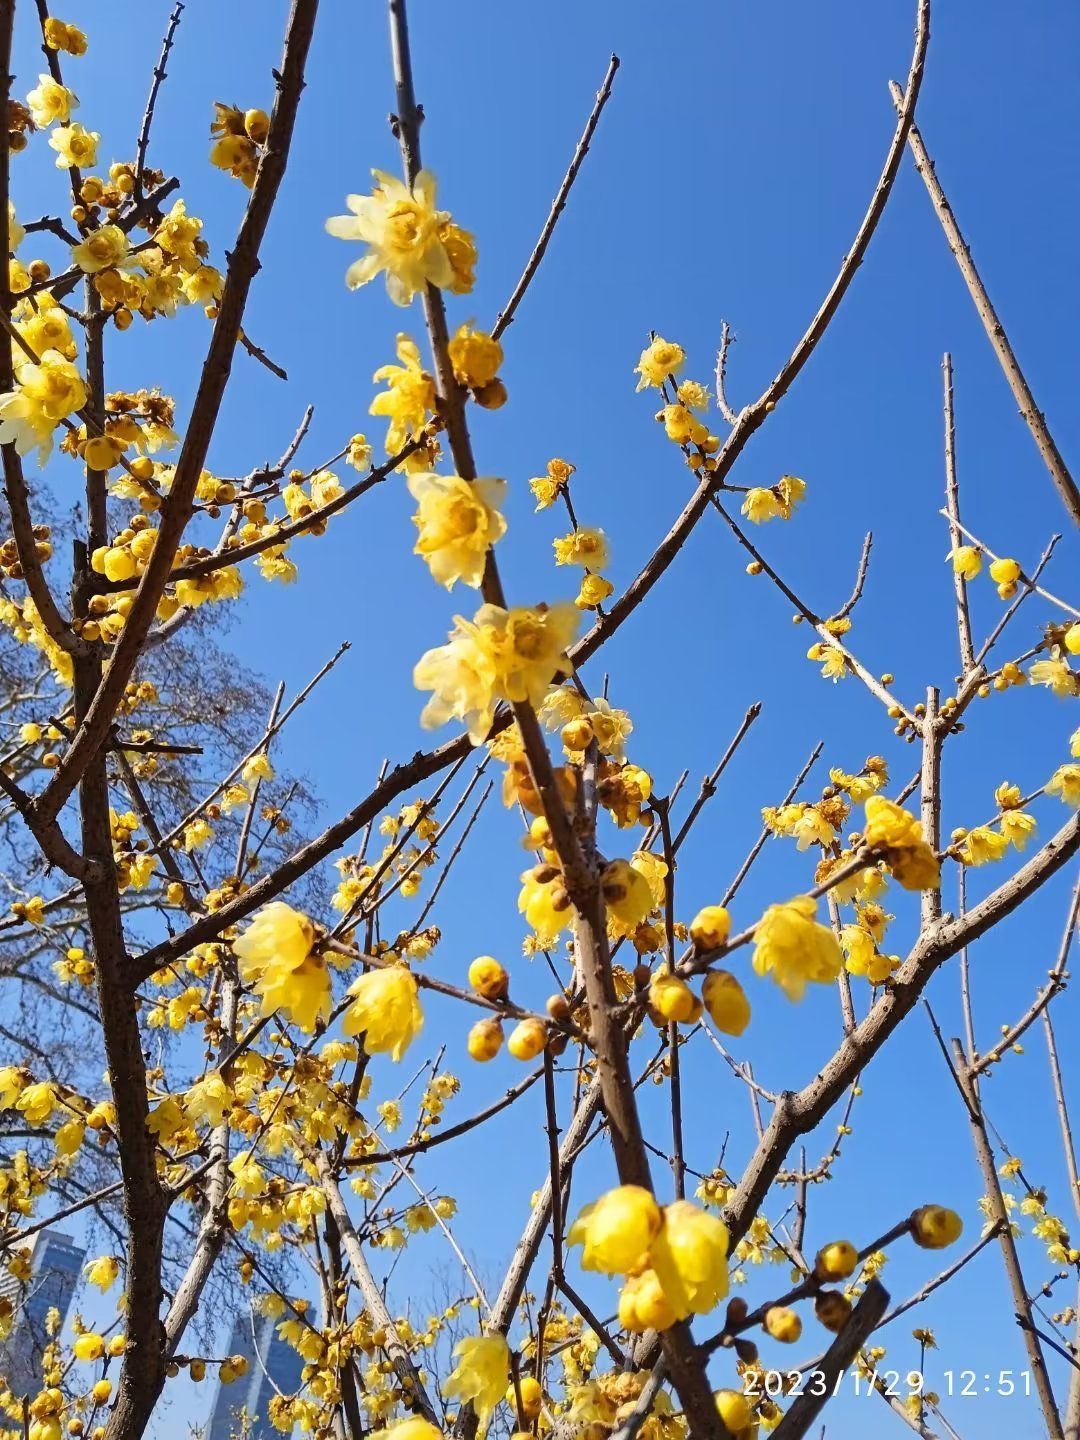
x=55 y=1264
x=271 y=1362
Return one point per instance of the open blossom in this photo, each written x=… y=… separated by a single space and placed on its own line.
x=658 y=360
x=1056 y=676
x=101 y=250
x=790 y=945
x=689 y=1257
x=898 y=837
x=277 y=959
x=409 y=397
x=407 y=238
x=45 y=394
x=586 y=546
x=616 y=1231
x=983 y=845
x=74 y=145
x=385 y=1010
x=1065 y=782
x=481 y=1374
x=498 y=655
x=50 y=101
x=458 y=521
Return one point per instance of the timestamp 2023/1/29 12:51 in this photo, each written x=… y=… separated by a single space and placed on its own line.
x=893 y=1384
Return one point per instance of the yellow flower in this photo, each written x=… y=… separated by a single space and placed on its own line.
x=532 y=647
x=276 y=958
x=88 y=1346
x=484 y=1040
x=257 y=768
x=617 y=1230
x=403 y=231
x=792 y=947
x=409 y=397
x=734 y=1410
x=710 y=927
x=1056 y=676
x=1017 y=828
x=627 y=896
x=103 y=1271
x=385 y=1009
x=37 y=1102
x=898 y=837
x=62 y=35
x=658 y=360
x=672 y=998
x=966 y=561
x=50 y=101
x=1005 y=574
x=643 y=1304
x=1065 y=782
x=726 y=1002
x=547 y=488
x=933 y=1227
x=783 y=1324
x=594 y=590
x=760 y=505
x=359 y=456
x=458 y=521
x=101 y=250
x=499 y=655
x=413 y=1428
x=861 y=956
x=790 y=491
x=690 y=1258
x=585 y=546
x=475 y=356
x=463 y=676
x=544 y=902
x=682 y=426
x=983 y=845
x=74 y=146
x=47 y=392
x=488 y=978
x=481 y=1374
x=836 y=1261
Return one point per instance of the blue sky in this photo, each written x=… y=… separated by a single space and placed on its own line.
x=727 y=179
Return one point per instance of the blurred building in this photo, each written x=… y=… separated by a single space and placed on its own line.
x=55 y=1265
x=273 y=1365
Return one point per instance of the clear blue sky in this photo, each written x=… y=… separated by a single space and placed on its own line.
x=726 y=182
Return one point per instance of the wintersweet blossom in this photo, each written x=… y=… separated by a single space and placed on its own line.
x=480 y=1376
x=385 y=1010
x=277 y=959
x=406 y=235
x=616 y=1231
x=458 y=520
x=794 y=948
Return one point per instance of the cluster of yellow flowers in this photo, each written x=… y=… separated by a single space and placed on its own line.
x=674 y=1260
x=240 y=139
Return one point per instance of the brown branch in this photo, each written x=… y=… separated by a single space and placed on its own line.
x=1033 y=417
x=952 y=500
x=805 y=1409
x=506 y=315
x=1011 y=1260
x=156 y=83
x=242 y=267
